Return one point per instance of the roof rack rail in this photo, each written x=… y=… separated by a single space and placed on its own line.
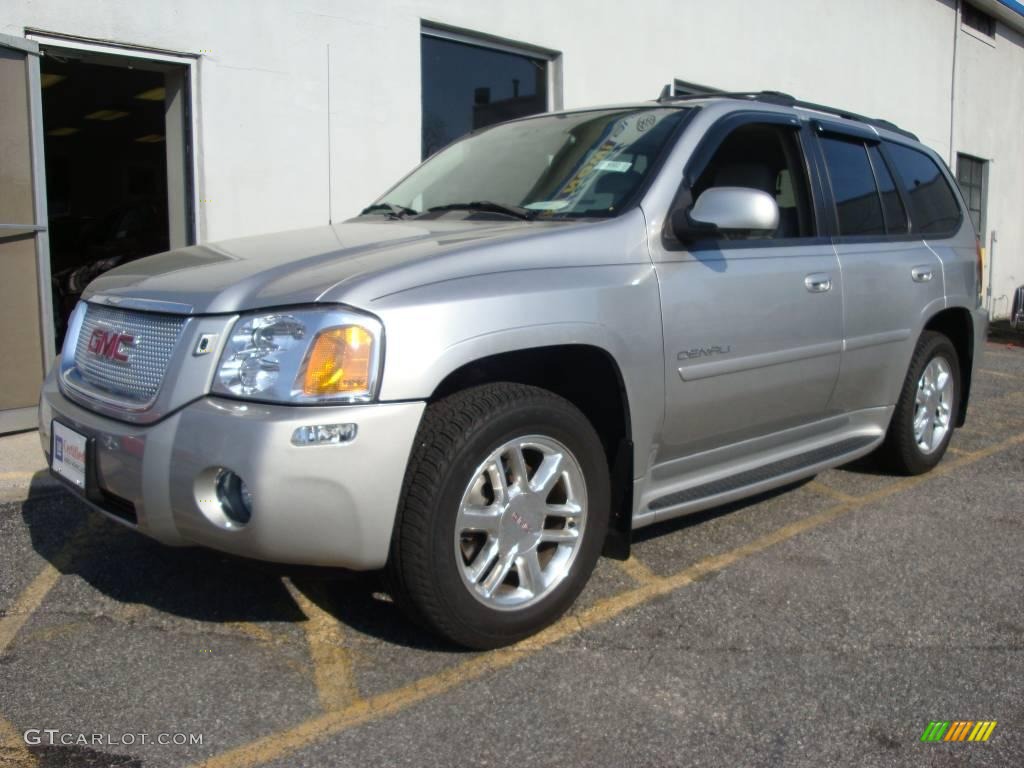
x=784 y=100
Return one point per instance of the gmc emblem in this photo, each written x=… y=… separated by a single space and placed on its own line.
x=109 y=344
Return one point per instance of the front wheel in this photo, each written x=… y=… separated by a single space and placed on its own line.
x=925 y=414
x=503 y=515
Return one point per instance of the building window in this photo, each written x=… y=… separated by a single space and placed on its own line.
x=469 y=84
x=686 y=88
x=972 y=178
x=975 y=18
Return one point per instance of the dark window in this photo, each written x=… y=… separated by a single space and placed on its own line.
x=853 y=187
x=970 y=175
x=470 y=86
x=978 y=20
x=768 y=158
x=895 y=216
x=933 y=206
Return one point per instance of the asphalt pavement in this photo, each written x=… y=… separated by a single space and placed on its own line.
x=823 y=625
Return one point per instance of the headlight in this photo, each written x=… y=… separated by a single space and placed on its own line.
x=302 y=356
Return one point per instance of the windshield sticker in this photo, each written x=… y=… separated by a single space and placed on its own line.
x=547 y=205
x=616 y=140
x=615 y=166
x=645 y=122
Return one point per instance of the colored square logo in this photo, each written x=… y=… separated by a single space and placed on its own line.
x=58 y=448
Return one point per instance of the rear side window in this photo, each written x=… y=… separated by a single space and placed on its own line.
x=933 y=206
x=853 y=187
x=895 y=216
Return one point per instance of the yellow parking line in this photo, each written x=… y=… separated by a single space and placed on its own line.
x=1010 y=355
x=32 y=597
x=636 y=570
x=391 y=702
x=252 y=631
x=827 y=490
x=1000 y=374
x=17 y=475
x=332 y=665
x=13 y=751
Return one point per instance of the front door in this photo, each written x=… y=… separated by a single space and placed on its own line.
x=753 y=326
x=25 y=308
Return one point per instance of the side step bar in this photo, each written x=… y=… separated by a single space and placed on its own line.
x=763 y=473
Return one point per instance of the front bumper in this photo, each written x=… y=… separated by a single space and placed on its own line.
x=331 y=505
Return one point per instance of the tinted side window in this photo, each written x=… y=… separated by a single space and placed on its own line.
x=769 y=158
x=853 y=186
x=933 y=206
x=895 y=216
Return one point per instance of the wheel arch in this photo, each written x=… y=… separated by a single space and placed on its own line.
x=957 y=325
x=590 y=378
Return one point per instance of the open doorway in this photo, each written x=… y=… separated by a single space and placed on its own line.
x=118 y=180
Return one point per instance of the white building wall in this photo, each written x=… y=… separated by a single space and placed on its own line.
x=989 y=123
x=270 y=157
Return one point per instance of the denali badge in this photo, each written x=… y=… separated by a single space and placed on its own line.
x=690 y=354
x=110 y=344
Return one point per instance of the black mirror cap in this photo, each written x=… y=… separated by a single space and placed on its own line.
x=687 y=230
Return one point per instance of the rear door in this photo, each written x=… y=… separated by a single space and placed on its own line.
x=752 y=327
x=892 y=282
x=25 y=304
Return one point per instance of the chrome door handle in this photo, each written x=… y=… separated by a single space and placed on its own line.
x=818 y=282
x=921 y=274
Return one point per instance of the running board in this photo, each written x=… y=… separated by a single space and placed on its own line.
x=764 y=473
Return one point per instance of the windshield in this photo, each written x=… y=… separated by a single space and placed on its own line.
x=577 y=164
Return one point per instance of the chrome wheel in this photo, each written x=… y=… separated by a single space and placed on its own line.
x=933 y=405
x=520 y=522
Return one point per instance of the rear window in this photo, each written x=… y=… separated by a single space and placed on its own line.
x=933 y=206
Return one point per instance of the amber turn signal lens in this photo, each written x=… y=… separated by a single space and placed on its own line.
x=339 y=362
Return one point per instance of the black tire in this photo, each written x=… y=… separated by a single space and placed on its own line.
x=456 y=434
x=900 y=451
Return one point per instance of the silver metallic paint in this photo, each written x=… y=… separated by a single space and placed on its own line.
x=736 y=208
x=804 y=369
x=331 y=505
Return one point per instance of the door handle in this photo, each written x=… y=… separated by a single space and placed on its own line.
x=921 y=274
x=818 y=282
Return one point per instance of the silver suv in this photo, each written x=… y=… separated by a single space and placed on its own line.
x=552 y=332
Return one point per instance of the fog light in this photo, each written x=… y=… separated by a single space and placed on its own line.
x=324 y=434
x=234 y=497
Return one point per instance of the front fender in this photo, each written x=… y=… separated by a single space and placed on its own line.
x=434 y=330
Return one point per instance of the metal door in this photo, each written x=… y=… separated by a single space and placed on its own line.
x=26 y=314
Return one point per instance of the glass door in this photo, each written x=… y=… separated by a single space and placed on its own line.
x=25 y=297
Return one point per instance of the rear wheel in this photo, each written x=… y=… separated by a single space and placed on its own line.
x=503 y=516
x=923 y=421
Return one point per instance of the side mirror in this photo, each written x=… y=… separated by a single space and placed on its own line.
x=727 y=210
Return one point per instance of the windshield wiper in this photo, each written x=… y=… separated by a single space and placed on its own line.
x=488 y=207
x=392 y=210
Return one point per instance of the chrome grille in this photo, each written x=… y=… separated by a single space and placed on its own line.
x=138 y=379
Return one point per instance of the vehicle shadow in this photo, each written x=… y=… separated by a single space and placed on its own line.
x=697 y=518
x=200 y=584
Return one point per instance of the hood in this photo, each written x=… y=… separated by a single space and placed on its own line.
x=319 y=264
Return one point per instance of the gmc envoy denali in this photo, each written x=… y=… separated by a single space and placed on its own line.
x=554 y=331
